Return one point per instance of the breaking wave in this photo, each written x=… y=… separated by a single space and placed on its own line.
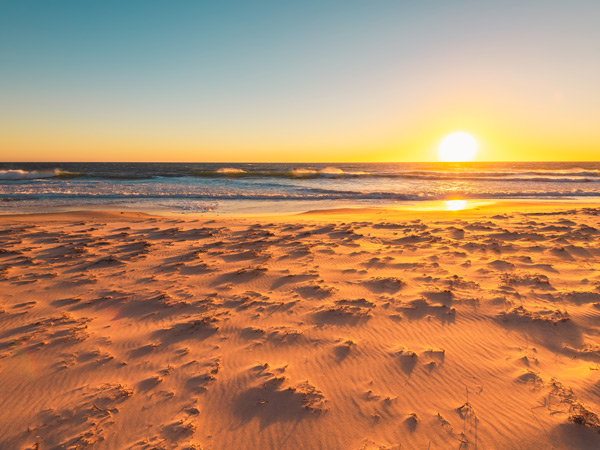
x=18 y=174
x=296 y=172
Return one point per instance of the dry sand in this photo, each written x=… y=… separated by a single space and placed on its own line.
x=375 y=329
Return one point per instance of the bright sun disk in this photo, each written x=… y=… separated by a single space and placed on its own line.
x=457 y=147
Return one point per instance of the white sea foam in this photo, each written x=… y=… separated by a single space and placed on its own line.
x=331 y=172
x=328 y=172
x=230 y=170
x=16 y=174
x=303 y=173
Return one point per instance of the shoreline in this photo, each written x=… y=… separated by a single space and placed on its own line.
x=425 y=208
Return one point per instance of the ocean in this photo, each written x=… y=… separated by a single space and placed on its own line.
x=282 y=188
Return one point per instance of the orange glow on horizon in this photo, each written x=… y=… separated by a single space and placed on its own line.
x=418 y=142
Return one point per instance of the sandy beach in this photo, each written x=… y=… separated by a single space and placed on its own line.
x=373 y=329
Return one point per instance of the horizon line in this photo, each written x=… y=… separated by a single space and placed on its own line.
x=301 y=162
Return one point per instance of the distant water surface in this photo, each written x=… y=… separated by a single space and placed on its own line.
x=272 y=188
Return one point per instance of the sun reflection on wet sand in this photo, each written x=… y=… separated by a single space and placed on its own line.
x=449 y=205
x=455 y=205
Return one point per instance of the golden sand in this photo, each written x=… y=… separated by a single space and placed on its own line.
x=380 y=329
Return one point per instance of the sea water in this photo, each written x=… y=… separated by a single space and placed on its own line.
x=276 y=188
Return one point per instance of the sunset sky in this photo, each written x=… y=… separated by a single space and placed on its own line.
x=309 y=81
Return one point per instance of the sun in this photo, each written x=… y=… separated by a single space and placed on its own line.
x=457 y=147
